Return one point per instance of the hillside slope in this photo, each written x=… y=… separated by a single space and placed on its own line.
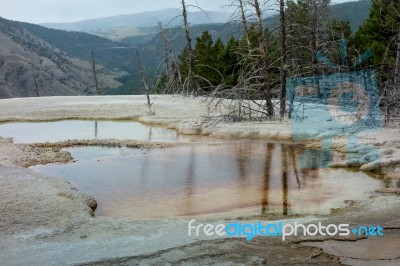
x=30 y=66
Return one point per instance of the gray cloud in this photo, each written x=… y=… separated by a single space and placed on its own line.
x=39 y=11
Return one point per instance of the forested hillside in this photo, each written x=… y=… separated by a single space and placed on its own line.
x=307 y=41
x=353 y=12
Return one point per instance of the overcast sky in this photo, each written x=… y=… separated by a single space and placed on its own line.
x=40 y=11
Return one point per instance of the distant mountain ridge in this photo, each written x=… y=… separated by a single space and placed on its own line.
x=141 y=27
x=136 y=22
x=143 y=24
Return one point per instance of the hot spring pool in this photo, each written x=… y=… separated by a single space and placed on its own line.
x=198 y=177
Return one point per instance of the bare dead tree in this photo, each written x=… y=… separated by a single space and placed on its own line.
x=167 y=63
x=397 y=66
x=390 y=92
x=172 y=71
x=244 y=21
x=193 y=86
x=313 y=24
x=283 y=69
x=145 y=82
x=167 y=49
x=36 y=91
x=307 y=33
x=390 y=88
x=96 y=84
x=265 y=86
x=251 y=97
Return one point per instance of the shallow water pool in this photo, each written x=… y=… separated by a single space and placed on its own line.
x=33 y=132
x=237 y=178
x=199 y=176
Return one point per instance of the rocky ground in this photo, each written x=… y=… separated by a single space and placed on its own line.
x=46 y=221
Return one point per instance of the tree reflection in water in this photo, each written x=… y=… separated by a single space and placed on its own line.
x=239 y=177
x=267 y=176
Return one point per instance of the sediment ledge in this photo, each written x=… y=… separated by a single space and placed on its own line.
x=103 y=143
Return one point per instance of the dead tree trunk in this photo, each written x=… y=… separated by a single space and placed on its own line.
x=193 y=86
x=37 y=92
x=145 y=82
x=265 y=86
x=172 y=69
x=397 y=67
x=283 y=70
x=313 y=37
x=96 y=84
x=244 y=22
x=36 y=87
x=166 y=49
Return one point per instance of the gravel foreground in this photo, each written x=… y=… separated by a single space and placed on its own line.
x=46 y=221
